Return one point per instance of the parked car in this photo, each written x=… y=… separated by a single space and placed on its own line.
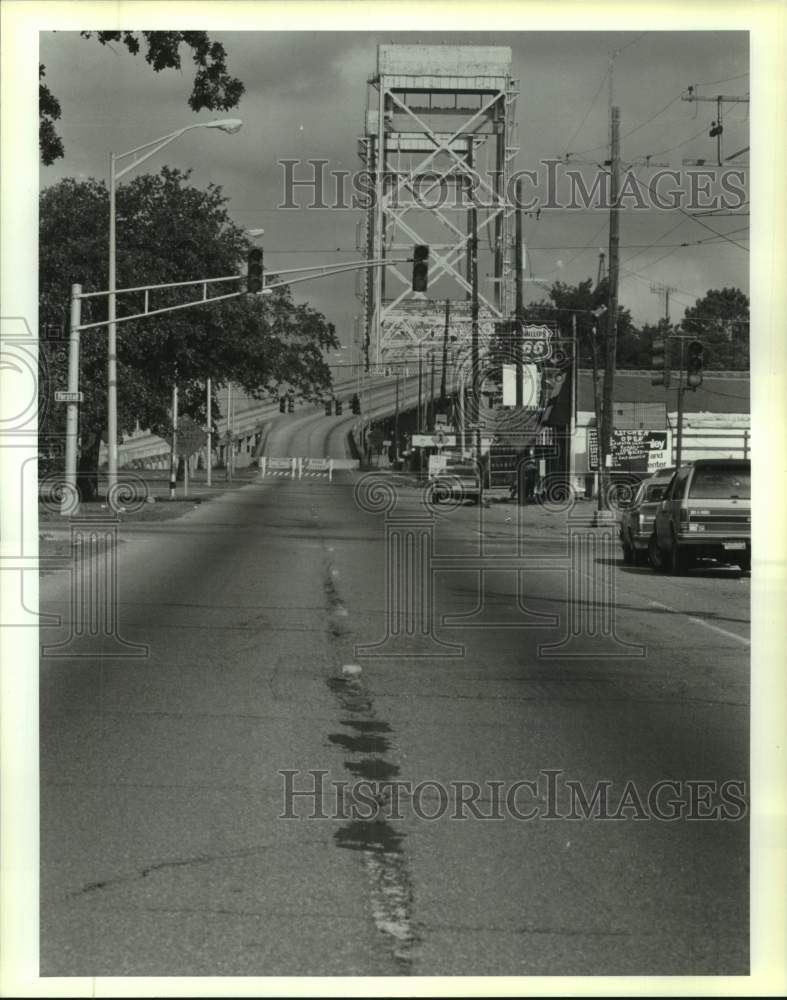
x=458 y=480
x=706 y=512
x=637 y=519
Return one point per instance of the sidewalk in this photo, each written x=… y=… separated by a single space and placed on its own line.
x=583 y=512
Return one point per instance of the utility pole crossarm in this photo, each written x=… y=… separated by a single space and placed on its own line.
x=715 y=100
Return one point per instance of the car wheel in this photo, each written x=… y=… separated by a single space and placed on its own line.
x=745 y=564
x=656 y=556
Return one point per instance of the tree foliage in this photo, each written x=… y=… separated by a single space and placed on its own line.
x=167 y=231
x=581 y=300
x=213 y=87
x=721 y=321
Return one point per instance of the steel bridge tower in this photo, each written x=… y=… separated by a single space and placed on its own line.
x=440 y=131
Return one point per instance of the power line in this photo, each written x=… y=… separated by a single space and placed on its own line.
x=587 y=113
x=728 y=79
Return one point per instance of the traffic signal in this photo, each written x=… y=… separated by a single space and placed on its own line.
x=282 y=404
x=328 y=408
x=290 y=404
x=355 y=404
x=420 y=267
x=254 y=271
x=659 y=362
x=338 y=407
x=694 y=361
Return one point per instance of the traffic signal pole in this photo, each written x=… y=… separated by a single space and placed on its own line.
x=253 y=276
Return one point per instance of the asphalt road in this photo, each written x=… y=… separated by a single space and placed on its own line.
x=450 y=653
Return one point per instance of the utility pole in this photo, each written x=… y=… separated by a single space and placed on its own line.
x=717 y=127
x=612 y=307
x=602 y=268
x=230 y=443
x=665 y=291
x=445 y=354
x=474 y=356
x=71 y=499
x=681 y=393
x=173 y=459
x=396 y=420
x=430 y=411
x=209 y=450
x=519 y=265
x=420 y=388
x=572 y=428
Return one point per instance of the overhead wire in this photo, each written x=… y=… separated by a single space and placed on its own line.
x=587 y=113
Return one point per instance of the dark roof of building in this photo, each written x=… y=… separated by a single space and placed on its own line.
x=720 y=392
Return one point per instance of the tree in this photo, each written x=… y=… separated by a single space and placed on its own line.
x=168 y=231
x=721 y=321
x=213 y=87
x=582 y=300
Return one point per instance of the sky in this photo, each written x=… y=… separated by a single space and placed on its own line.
x=305 y=98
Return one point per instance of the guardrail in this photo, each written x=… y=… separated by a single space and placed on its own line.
x=304 y=468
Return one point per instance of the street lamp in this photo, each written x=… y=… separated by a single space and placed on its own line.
x=230 y=125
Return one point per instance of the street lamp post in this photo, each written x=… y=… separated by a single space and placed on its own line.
x=230 y=125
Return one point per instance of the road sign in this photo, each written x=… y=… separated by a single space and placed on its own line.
x=61 y=396
x=437 y=440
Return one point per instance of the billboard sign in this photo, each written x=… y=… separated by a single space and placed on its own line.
x=634 y=450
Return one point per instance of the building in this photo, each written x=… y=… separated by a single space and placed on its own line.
x=716 y=418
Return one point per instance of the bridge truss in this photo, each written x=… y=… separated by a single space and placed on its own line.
x=440 y=136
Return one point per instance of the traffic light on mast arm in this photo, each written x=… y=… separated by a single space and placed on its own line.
x=420 y=267
x=694 y=362
x=254 y=271
x=660 y=362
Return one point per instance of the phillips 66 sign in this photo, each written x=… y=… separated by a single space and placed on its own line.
x=536 y=341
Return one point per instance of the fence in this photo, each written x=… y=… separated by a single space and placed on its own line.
x=715 y=442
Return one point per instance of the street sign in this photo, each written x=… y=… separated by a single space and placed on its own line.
x=61 y=396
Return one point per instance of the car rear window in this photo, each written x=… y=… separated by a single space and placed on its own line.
x=655 y=491
x=721 y=483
